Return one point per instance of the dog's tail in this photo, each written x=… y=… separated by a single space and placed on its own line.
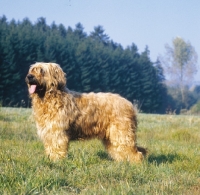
x=143 y=150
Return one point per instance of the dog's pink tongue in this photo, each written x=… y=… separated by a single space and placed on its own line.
x=32 y=89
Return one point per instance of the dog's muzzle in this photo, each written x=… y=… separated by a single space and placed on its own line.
x=30 y=79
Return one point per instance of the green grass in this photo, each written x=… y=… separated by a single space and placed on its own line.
x=172 y=166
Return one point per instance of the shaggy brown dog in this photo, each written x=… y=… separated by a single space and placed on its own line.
x=62 y=115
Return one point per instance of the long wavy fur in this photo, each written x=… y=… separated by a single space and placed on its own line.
x=62 y=115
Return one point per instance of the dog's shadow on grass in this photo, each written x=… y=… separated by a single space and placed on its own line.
x=163 y=158
x=103 y=155
x=152 y=158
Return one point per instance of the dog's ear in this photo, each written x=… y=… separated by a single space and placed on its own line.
x=57 y=78
x=61 y=79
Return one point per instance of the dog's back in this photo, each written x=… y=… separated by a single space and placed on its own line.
x=98 y=112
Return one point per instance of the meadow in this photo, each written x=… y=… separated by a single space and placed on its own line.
x=171 y=167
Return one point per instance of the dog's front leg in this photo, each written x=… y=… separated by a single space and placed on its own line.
x=56 y=145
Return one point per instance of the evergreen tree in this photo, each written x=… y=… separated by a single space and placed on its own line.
x=99 y=35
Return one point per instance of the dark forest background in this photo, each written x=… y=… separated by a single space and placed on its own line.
x=92 y=62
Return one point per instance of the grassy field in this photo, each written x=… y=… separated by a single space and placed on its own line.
x=172 y=166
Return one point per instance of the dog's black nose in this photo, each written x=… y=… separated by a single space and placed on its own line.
x=30 y=76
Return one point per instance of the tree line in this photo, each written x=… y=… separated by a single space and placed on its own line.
x=92 y=62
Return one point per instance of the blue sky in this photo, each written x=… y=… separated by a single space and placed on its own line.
x=143 y=22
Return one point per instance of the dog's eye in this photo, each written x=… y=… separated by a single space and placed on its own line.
x=42 y=71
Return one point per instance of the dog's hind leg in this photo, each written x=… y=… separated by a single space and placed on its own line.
x=121 y=145
x=123 y=152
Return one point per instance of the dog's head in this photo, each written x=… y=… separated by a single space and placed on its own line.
x=43 y=77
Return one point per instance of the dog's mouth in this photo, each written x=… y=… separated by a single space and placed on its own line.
x=39 y=89
x=33 y=85
x=32 y=89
